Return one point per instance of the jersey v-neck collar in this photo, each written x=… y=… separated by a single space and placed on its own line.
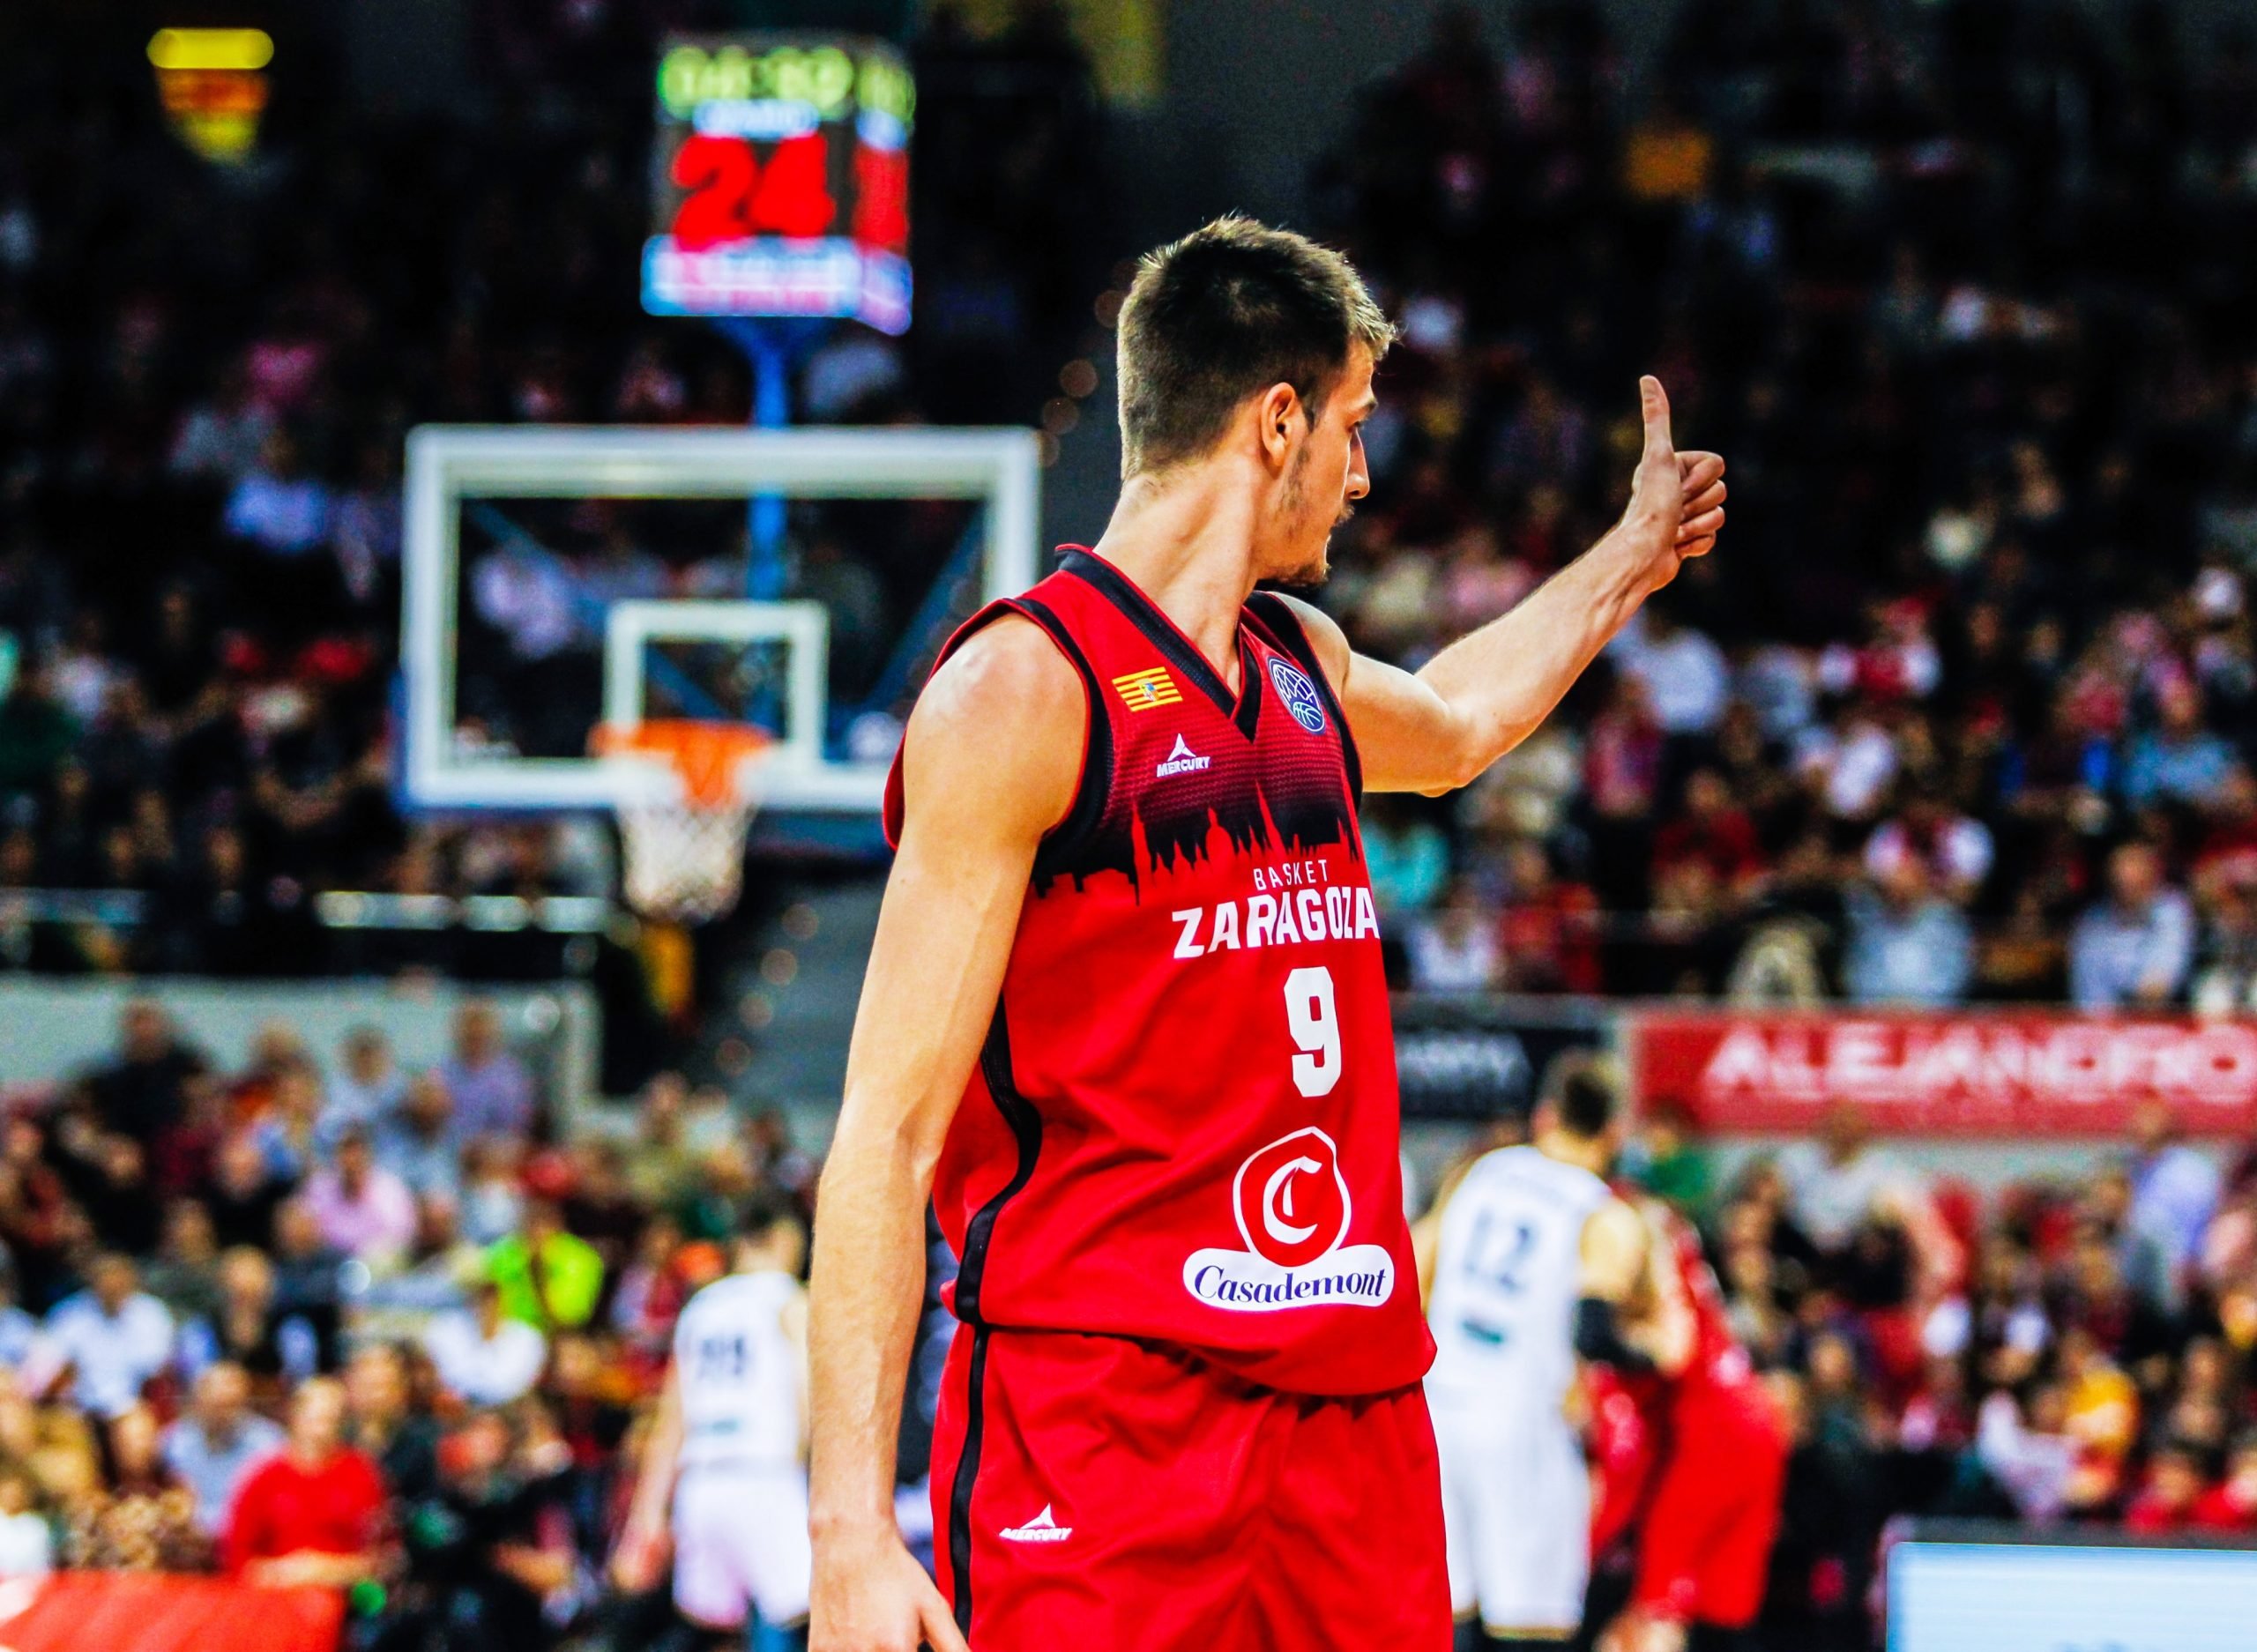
x=1243 y=708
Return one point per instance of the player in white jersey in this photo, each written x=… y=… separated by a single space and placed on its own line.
x=724 y=1467
x=1510 y=1259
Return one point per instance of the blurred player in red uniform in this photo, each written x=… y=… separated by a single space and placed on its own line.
x=1692 y=1455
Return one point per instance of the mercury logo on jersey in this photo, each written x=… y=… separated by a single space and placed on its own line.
x=1299 y=694
x=1181 y=760
x=1291 y=1203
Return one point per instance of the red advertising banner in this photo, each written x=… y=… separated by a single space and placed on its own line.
x=139 y=1612
x=1970 y=1075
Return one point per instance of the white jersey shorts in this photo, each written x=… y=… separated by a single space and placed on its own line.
x=1515 y=1515
x=739 y=1540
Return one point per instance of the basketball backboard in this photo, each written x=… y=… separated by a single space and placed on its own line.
x=498 y=612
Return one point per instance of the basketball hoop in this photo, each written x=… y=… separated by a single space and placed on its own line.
x=684 y=844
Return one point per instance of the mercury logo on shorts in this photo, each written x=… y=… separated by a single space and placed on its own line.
x=1299 y=694
x=1043 y=1528
x=1291 y=1203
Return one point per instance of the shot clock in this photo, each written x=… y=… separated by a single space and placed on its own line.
x=781 y=179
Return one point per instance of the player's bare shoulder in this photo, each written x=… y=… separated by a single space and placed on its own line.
x=1002 y=724
x=1614 y=1248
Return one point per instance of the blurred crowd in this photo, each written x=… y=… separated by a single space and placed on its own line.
x=1964 y=705
x=2078 y=1350
x=207 y=374
x=327 y=1321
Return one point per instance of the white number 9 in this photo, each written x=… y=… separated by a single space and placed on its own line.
x=1315 y=1029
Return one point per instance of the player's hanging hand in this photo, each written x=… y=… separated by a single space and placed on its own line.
x=1677 y=500
x=871 y=1595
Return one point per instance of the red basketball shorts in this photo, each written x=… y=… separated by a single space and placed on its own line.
x=1705 y=1547
x=1095 y=1494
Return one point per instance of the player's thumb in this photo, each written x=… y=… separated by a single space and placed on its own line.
x=1653 y=408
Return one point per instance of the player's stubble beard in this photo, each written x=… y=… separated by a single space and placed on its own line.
x=1317 y=567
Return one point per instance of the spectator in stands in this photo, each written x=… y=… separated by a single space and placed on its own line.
x=245 y=1329
x=660 y=1162
x=385 y=1424
x=245 y=1192
x=2028 y=1450
x=313 y=1514
x=143 y=1520
x=143 y=1091
x=1687 y=678
x=1954 y=849
x=113 y=1337
x=492 y=1191
x=492 y=1091
x=548 y=1277
x=1547 y=932
x=36 y=735
x=18 y=1329
x=480 y=1354
x=184 y=1273
x=1837 y=1184
x=26 y=1540
x=361 y=1208
x=2135 y=946
x=506 y=1550
x=1455 y=949
x=417 y=1143
x=1906 y=943
x=2179 y=761
x=1714 y=832
x=2231 y=1506
x=1406 y=854
x=308 y=1278
x=2175 y=1185
x=367 y=1088
x=289 y=1126
x=216 y=1444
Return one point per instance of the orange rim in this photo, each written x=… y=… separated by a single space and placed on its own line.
x=706 y=755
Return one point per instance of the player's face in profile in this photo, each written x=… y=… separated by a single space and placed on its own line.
x=1326 y=479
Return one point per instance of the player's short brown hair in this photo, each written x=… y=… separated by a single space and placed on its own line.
x=1224 y=314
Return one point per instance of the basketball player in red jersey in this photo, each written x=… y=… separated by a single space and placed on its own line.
x=1125 y=1025
x=1692 y=1452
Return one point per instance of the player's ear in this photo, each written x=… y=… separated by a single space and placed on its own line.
x=1280 y=420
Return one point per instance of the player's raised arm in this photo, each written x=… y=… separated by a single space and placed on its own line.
x=1489 y=691
x=990 y=764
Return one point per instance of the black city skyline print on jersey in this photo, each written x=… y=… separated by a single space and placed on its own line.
x=1271 y=784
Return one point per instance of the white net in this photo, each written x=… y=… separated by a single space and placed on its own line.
x=684 y=845
x=685 y=863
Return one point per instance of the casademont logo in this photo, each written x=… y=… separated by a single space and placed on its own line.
x=1291 y=1203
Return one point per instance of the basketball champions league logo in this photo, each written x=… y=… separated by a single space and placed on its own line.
x=1299 y=694
x=1290 y=1202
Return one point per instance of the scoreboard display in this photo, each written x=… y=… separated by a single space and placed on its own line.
x=781 y=179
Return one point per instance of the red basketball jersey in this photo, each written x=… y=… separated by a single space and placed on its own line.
x=1718 y=1362
x=1183 y=1127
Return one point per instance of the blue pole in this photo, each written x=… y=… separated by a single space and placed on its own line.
x=771 y=410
